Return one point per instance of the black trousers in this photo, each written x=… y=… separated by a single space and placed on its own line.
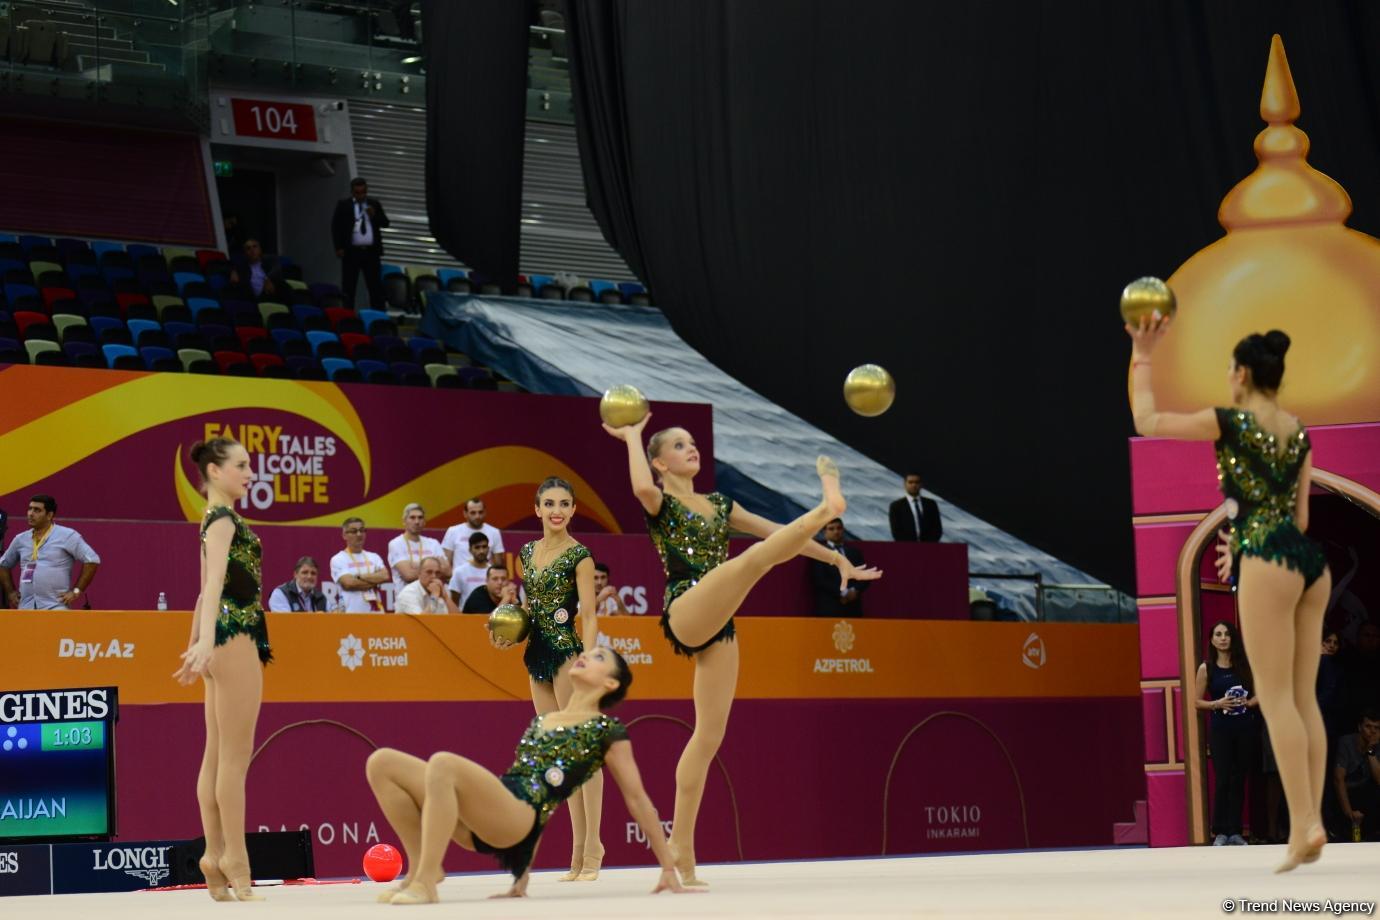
x=362 y=259
x=1233 y=753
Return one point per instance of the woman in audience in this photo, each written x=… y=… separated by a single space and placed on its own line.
x=704 y=588
x=227 y=650
x=1224 y=689
x=558 y=575
x=432 y=802
x=1264 y=462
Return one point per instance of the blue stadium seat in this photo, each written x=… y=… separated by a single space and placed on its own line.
x=333 y=366
x=101 y=247
x=367 y=366
x=11 y=352
x=14 y=291
x=113 y=354
x=137 y=326
x=83 y=354
x=426 y=351
x=599 y=286
x=30 y=242
x=444 y=275
x=160 y=359
x=317 y=337
x=138 y=250
x=630 y=288
x=99 y=324
x=197 y=304
x=368 y=317
x=182 y=279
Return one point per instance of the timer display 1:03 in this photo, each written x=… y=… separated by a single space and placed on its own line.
x=74 y=736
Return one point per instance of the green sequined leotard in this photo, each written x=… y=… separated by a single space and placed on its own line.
x=1260 y=482
x=549 y=765
x=689 y=545
x=241 y=609
x=552 y=599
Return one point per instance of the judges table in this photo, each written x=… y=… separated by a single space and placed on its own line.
x=140 y=559
x=931 y=735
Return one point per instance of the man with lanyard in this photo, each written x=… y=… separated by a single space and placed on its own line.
x=407 y=550
x=355 y=227
x=44 y=555
x=358 y=572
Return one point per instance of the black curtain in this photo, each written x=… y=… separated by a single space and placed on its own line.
x=476 y=106
x=958 y=191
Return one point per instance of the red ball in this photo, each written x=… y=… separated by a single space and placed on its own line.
x=382 y=862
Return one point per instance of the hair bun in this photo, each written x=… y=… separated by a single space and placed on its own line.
x=197 y=452
x=1276 y=342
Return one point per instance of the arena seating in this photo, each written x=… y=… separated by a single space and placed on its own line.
x=134 y=306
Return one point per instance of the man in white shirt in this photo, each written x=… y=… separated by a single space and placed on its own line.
x=474 y=571
x=407 y=550
x=457 y=537
x=427 y=592
x=355 y=227
x=606 y=599
x=358 y=573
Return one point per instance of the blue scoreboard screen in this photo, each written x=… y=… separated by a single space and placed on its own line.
x=57 y=763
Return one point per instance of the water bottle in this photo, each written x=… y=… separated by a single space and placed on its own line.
x=162 y=601
x=1355 y=830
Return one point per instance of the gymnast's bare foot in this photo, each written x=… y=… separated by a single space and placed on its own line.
x=417 y=892
x=1305 y=851
x=684 y=861
x=217 y=885
x=828 y=472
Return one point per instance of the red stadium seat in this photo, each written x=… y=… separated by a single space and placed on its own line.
x=209 y=255
x=125 y=300
x=353 y=340
x=248 y=333
x=234 y=362
x=263 y=362
x=24 y=319
x=51 y=294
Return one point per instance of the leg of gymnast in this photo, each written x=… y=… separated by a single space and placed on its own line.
x=705 y=588
x=1280 y=624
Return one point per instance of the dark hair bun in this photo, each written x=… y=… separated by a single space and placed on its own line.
x=1263 y=355
x=198 y=452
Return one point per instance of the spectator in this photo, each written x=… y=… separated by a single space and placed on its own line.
x=427 y=592
x=830 y=600
x=1331 y=690
x=457 y=536
x=263 y=273
x=1356 y=776
x=358 y=572
x=1223 y=688
x=606 y=598
x=407 y=550
x=355 y=229
x=497 y=589
x=44 y=555
x=473 y=572
x=914 y=517
x=300 y=593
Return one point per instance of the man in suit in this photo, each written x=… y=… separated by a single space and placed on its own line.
x=355 y=229
x=914 y=517
x=824 y=578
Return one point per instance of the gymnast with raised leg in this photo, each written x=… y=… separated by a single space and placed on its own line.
x=429 y=803
x=1264 y=464
x=227 y=650
x=704 y=588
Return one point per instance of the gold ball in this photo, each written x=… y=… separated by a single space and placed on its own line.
x=1145 y=297
x=622 y=405
x=869 y=390
x=511 y=622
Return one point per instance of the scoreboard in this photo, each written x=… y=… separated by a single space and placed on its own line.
x=57 y=764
